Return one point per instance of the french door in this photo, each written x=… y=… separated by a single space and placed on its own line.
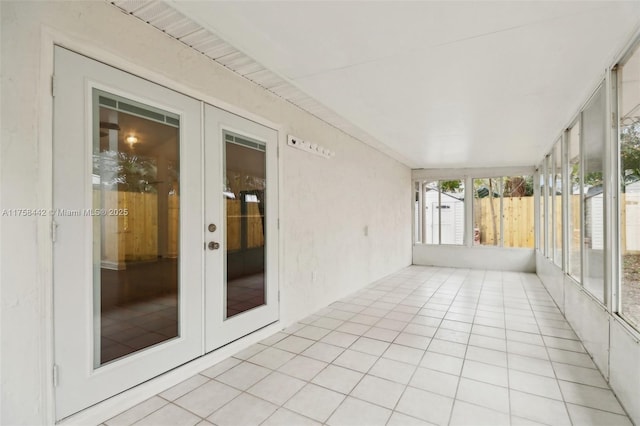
x=164 y=223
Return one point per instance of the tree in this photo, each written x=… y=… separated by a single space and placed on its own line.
x=630 y=152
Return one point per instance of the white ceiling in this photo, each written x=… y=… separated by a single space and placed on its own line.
x=439 y=84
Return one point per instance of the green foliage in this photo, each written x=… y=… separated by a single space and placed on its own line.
x=630 y=153
x=451 y=185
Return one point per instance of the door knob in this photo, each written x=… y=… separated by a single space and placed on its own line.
x=212 y=227
x=213 y=245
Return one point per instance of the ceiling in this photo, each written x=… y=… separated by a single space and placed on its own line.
x=434 y=84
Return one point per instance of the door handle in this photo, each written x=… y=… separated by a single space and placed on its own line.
x=213 y=245
x=212 y=227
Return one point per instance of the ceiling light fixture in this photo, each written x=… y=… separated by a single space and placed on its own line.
x=131 y=139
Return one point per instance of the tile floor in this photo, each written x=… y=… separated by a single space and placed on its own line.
x=423 y=346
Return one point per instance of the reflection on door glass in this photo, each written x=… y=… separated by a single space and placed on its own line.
x=135 y=226
x=244 y=194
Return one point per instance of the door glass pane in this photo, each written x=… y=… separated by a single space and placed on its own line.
x=629 y=101
x=594 y=134
x=135 y=226
x=486 y=211
x=244 y=194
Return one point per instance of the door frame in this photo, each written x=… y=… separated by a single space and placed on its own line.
x=49 y=38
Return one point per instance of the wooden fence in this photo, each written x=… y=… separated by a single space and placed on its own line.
x=134 y=236
x=518 y=221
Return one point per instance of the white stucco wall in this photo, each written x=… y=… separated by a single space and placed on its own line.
x=325 y=205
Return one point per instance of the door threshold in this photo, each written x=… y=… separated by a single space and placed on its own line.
x=103 y=411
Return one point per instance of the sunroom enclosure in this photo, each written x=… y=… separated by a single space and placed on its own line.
x=584 y=199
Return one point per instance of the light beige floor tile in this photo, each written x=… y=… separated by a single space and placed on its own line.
x=425 y=405
x=538 y=366
x=355 y=360
x=169 y=415
x=589 y=396
x=207 y=398
x=353 y=328
x=250 y=351
x=312 y=332
x=323 y=351
x=441 y=362
x=535 y=384
x=485 y=373
x=383 y=334
x=435 y=381
x=465 y=414
x=447 y=348
x=378 y=391
x=354 y=412
x=582 y=375
x=272 y=358
x=284 y=417
x=337 y=378
x=339 y=338
x=294 y=344
x=488 y=356
x=244 y=410
x=243 y=376
x=370 y=346
x=303 y=367
x=220 y=367
x=277 y=388
x=413 y=341
x=315 y=402
x=537 y=408
x=403 y=354
x=484 y=394
x=591 y=417
x=399 y=419
x=184 y=387
x=570 y=357
x=395 y=371
x=137 y=412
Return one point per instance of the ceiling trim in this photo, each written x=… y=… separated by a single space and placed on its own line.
x=167 y=19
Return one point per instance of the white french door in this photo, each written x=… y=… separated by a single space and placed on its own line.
x=165 y=235
x=242 y=197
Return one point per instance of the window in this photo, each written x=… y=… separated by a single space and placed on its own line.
x=444 y=212
x=486 y=211
x=542 y=233
x=517 y=212
x=573 y=204
x=593 y=147
x=503 y=211
x=629 y=146
x=417 y=221
x=557 y=203
x=548 y=206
